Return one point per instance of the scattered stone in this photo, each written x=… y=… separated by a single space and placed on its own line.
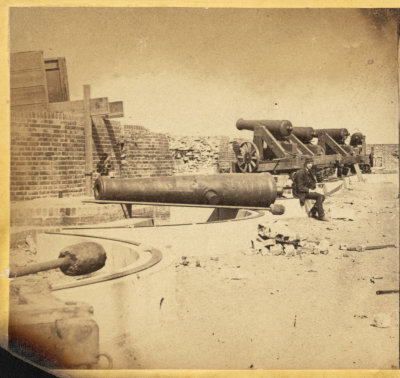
x=269 y=242
x=310 y=248
x=30 y=244
x=276 y=249
x=184 y=261
x=290 y=250
x=323 y=247
x=381 y=320
x=343 y=247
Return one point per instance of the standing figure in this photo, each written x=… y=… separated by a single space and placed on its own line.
x=303 y=181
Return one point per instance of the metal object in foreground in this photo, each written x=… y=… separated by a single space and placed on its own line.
x=279 y=129
x=380 y=292
x=48 y=331
x=222 y=189
x=74 y=260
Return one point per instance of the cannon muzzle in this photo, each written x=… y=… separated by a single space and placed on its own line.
x=279 y=129
x=356 y=139
x=238 y=189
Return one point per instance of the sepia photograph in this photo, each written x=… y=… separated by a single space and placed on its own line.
x=204 y=188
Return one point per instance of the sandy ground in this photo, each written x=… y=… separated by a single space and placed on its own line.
x=246 y=310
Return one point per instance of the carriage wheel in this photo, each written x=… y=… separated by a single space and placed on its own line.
x=248 y=157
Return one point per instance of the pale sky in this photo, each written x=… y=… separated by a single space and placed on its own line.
x=196 y=71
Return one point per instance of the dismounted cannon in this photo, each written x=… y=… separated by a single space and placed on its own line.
x=338 y=135
x=230 y=190
x=304 y=133
x=279 y=129
x=74 y=260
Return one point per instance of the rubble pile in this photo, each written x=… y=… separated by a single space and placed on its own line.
x=278 y=239
x=194 y=153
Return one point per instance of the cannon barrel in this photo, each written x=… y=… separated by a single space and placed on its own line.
x=279 y=129
x=239 y=189
x=339 y=135
x=304 y=133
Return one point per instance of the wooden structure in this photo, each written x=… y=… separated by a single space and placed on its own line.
x=28 y=83
x=39 y=84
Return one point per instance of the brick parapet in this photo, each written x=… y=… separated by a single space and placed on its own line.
x=146 y=154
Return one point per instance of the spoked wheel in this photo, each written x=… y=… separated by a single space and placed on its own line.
x=248 y=157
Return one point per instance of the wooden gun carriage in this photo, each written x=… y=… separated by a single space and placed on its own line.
x=278 y=147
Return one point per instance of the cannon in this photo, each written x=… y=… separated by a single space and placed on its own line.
x=219 y=190
x=279 y=129
x=357 y=139
x=333 y=142
x=338 y=135
x=304 y=133
x=278 y=147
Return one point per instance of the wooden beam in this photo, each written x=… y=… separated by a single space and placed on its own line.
x=277 y=149
x=327 y=140
x=302 y=147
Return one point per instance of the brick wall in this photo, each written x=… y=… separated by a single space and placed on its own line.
x=383 y=155
x=107 y=138
x=146 y=154
x=47 y=155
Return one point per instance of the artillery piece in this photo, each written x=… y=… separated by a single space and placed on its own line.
x=333 y=141
x=278 y=147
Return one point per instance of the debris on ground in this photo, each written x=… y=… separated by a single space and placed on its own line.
x=344 y=213
x=278 y=239
x=381 y=320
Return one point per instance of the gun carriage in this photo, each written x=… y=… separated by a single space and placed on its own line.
x=278 y=147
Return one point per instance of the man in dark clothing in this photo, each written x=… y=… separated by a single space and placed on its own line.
x=303 y=181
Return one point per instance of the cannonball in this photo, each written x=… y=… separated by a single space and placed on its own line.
x=87 y=257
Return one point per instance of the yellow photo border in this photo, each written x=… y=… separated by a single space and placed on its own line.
x=5 y=5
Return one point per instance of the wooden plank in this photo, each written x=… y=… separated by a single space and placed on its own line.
x=31 y=78
x=26 y=60
x=98 y=106
x=54 y=86
x=303 y=148
x=175 y=204
x=329 y=141
x=272 y=143
x=116 y=109
x=57 y=80
x=51 y=64
x=29 y=108
x=359 y=174
x=64 y=77
x=28 y=95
